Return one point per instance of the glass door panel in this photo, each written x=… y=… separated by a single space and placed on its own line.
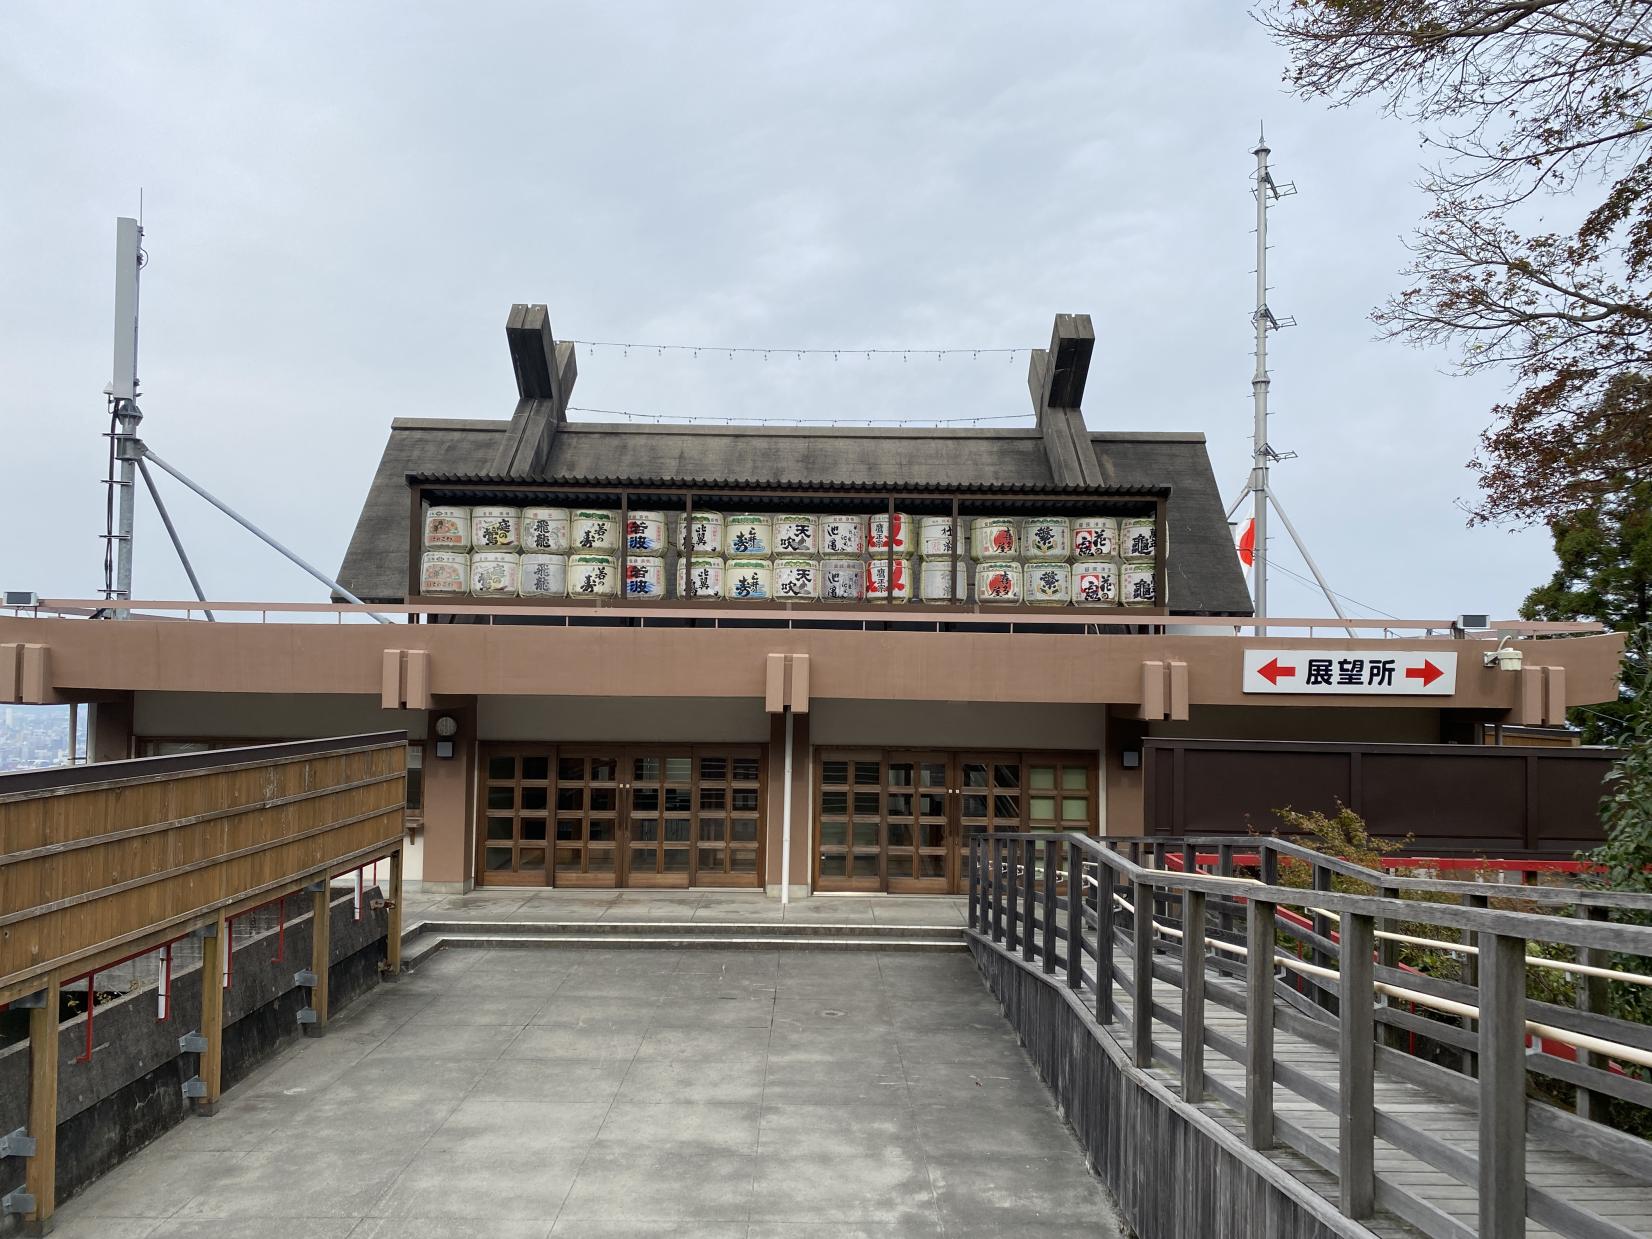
x=514 y=813
x=727 y=805
x=849 y=818
x=917 y=822
x=586 y=817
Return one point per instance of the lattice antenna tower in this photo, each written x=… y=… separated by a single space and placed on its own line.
x=1267 y=191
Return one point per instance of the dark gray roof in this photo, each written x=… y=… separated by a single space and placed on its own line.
x=1204 y=576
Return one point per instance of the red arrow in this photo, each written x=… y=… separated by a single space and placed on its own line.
x=1271 y=671
x=1427 y=673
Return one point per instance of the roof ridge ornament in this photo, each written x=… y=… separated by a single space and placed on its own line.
x=1055 y=380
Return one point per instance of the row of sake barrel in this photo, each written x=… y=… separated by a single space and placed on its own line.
x=506 y=574
x=754 y=534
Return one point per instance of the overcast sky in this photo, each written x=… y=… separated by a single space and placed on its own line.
x=341 y=202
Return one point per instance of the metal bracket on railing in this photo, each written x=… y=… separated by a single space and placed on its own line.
x=30 y=1002
x=205 y=931
x=304 y=977
x=17 y=1143
x=19 y=1201
x=192 y=1043
x=315 y=888
x=194 y=1087
x=306 y=1015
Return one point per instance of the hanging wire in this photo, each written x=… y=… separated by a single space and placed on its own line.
x=730 y=418
x=1314 y=585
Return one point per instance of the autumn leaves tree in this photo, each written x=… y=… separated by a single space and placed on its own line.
x=1534 y=108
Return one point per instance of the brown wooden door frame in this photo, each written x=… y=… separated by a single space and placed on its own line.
x=940 y=884
x=869 y=882
x=514 y=876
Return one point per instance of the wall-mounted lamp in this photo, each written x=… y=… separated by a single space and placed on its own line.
x=1132 y=759
x=1504 y=658
x=446 y=728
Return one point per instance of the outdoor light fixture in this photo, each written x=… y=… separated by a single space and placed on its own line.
x=1504 y=658
x=1132 y=759
x=446 y=728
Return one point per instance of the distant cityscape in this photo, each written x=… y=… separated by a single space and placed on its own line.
x=35 y=737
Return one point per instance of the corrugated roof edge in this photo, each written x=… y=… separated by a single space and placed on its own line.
x=915 y=488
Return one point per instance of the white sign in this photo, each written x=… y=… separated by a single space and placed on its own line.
x=1379 y=672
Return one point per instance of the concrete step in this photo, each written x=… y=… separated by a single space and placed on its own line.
x=685 y=929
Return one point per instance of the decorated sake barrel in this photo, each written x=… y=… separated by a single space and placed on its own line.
x=842 y=535
x=447 y=529
x=1046 y=537
x=943 y=580
x=885 y=580
x=495 y=529
x=796 y=534
x=1047 y=583
x=1096 y=537
x=796 y=579
x=842 y=580
x=544 y=576
x=1095 y=583
x=644 y=576
x=748 y=580
x=593 y=576
x=594 y=532
x=494 y=574
x=998 y=580
x=935 y=537
x=645 y=531
x=545 y=529
x=444 y=573
x=992 y=538
x=707 y=574
x=1136 y=584
x=704 y=534
x=1137 y=538
x=747 y=533
x=884 y=529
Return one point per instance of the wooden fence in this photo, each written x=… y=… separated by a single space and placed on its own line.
x=102 y=862
x=1290 y=1019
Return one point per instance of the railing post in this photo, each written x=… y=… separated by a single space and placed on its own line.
x=393 y=919
x=1388 y=955
x=1259 y=937
x=1356 y=1033
x=1051 y=868
x=1105 y=1010
x=1141 y=1027
x=1029 y=924
x=1224 y=868
x=1193 y=996
x=1322 y=926
x=1502 y=1086
x=321 y=954
x=214 y=946
x=1592 y=995
x=995 y=853
x=40 y=1172
x=1471 y=977
x=977 y=922
x=1012 y=931
x=1075 y=917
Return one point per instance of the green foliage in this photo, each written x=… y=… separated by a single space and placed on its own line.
x=1605 y=574
x=1343 y=835
x=1626 y=809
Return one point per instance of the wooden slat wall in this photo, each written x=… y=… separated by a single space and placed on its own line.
x=129 y=856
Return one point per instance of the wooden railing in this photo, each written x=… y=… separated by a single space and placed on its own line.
x=102 y=862
x=1259 y=968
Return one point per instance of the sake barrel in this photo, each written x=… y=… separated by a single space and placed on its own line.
x=544 y=576
x=943 y=580
x=991 y=537
x=881 y=583
x=594 y=532
x=704 y=533
x=747 y=533
x=749 y=580
x=592 y=576
x=797 y=579
x=1046 y=537
x=645 y=531
x=1137 y=538
x=644 y=576
x=998 y=580
x=935 y=537
x=1136 y=584
x=447 y=529
x=708 y=576
x=796 y=534
x=842 y=580
x=1047 y=583
x=1095 y=583
x=495 y=574
x=495 y=529
x=545 y=529
x=444 y=573
x=1095 y=537
x=885 y=528
x=843 y=535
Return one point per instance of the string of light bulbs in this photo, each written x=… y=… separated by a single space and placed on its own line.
x=734 y=419
x=836 y=354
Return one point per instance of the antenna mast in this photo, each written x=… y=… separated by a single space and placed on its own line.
x=1267 y=191
x=124 y=418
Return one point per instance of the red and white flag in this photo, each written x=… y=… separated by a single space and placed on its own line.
x=1247 y=542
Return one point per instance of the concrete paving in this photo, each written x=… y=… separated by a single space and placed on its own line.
x=603 y=1093
x=753 y=907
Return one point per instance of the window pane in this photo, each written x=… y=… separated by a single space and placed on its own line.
x=533 y=829
x=679 y=800
x=676 y=829
x=744 y=860
x=744 y=830
x=499 y=828
x=570 y=799
x=1041 y=777
x=745 y=770
x=501 y=797
x=568 y=858
x=900 y=774
x=604 y=770
x=834 y=803
x=679 y=769
x=603 y=799
x=834 y=834
x=744 y=798
x=932 y=804
x=676 y=860
x=501 y=767
x=900 y=834
x=534 y=799
x=712 y=798
x=714 y=769
x=1075 y=778
x=834 y=866
x=931 y=866
x=975 y=774
x=931 y=835
x=713 y=830
x=1006 y=776
x=498 y=860
x=531 y=860
x=601 y=831
x=711 y=860
x=599 y=860
x=645 y=799
x=536 y=768
x=866 y=834
x=646 y=768
x=1042 y=808
x=975 y=806
x=415 y=789
x=645 y=829
x=645 y=860
x=898 y=804
x=834 y=773
x=1006 y=807
x=866 y=773
x=932 y=774
x=899 y=865
x=1075 y=809
x=572 y=768
x=866 y=804
x=569 y=830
